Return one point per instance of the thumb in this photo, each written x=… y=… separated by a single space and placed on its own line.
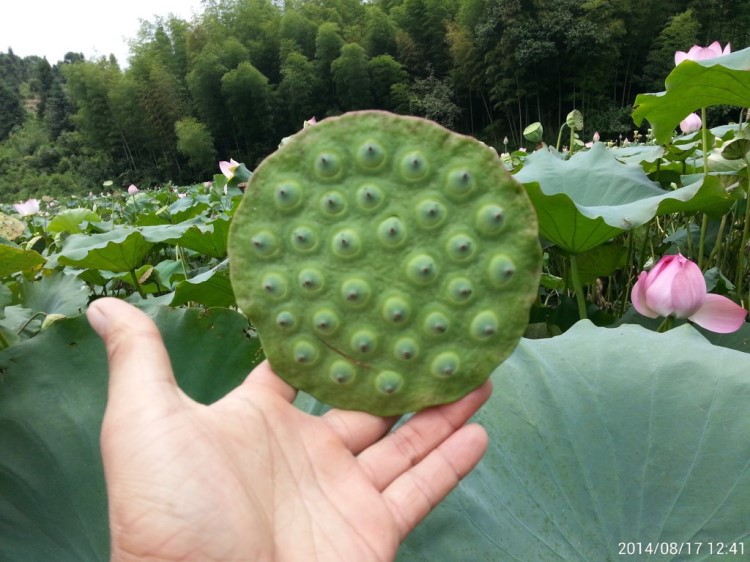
x=140 y=373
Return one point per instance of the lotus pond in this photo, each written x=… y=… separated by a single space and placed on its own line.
x=608 y=427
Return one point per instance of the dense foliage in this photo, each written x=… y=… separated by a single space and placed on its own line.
x=245 y=73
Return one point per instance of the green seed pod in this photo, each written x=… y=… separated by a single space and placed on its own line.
x=534 y=133
x=386 y=263
x=574 y=120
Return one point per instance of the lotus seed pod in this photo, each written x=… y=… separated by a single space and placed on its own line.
x=534 y=132
x=574 y=120
x=386 y=263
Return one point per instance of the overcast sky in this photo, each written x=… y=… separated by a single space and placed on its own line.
x=51 y=28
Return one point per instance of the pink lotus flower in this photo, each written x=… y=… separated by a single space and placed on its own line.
x=691 y=123
x=27 y=208
x=229 y=168
x=132 y=190
x=676 y=287
x=309 y=123
x=596 y=137
x=697 y=52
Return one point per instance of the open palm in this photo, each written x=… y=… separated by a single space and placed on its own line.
x=250 y=477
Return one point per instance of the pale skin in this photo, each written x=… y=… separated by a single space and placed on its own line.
x=251 y=477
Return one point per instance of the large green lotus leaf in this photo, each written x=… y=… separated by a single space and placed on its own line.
x=122 y=249
x=69 y=220
x=692 y=85
x=52 y=396
x=14 y=259
x=211 y=288
x=602 y=436
x=209 y=239
x=56 y=294
x=591 y=198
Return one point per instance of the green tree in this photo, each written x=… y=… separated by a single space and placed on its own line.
x=352 y=78
x=380 y=33
x=680 y=33
x=204 y=84
x=195 y=142
x=298 y=93
x=328 y=43
x=11 y=110
x=248 y=97
x=386 y=73
x=299 y=31
x=432 y=98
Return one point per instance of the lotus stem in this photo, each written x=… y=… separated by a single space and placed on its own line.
x=559 y=137
x=743 y=245
x=577 y=287
x=704 y=223
x=138 y=287
x=4 y=343
x=719 y=241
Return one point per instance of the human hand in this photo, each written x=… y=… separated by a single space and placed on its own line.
x=251 y=477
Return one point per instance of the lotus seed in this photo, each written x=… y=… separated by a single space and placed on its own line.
x=264 y=244
x=356 y=292
x=431 y=213
x=332 y=203
x=436 y=323
x=327 y=165
x=311 y=280
x=369 y=197
x=490 y=219
x=460 y=290
x=396 y=310
x=461 y=247
x=446 y=364
x=303 y=239
x=406 y=348
x=346 y=243
x=305 y=352
x=501 y=270
x=370 y=155
x=392 y=231
x=460 y=183
x=285 y=320
x=414 y=166
x=388 y=382
x=422 y=269
x=363 y=341
x=288 y=195
x=342 y=372
x=484 y=325
x=326 y=321
x=274 y=285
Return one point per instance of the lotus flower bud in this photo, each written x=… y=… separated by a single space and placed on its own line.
x=676 y=287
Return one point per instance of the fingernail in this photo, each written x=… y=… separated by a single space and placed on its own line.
x=97 y=318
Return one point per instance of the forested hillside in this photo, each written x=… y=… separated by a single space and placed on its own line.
x=246 y=73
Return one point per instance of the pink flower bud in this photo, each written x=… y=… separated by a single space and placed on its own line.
x=691 y=123
x=596 y=137
x=132 y=190
x=676 y=287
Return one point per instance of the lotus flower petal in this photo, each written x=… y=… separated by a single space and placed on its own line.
x=719 y=314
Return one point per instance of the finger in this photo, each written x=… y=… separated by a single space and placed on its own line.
x=358 y=430
x=410 y=443
x=412 y=496
x=140 y=373
x=264 y=375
